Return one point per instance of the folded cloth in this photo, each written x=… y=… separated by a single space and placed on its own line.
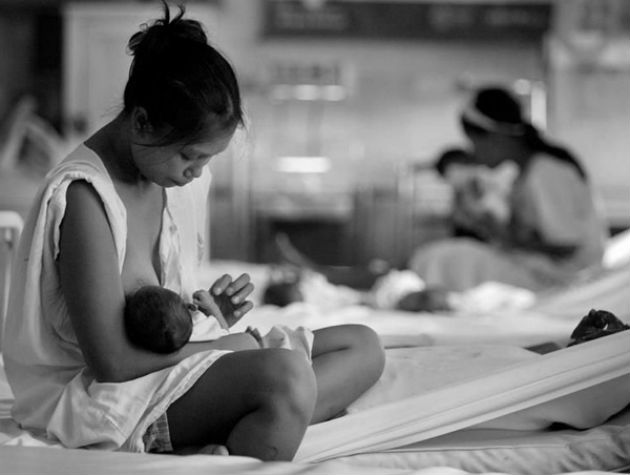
x=581 y=386
x=297 y=339
x=389 y=289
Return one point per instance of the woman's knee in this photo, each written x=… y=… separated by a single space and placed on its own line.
x=366 y=341
x=287 y=382
x=376 y=350
x=364 y=336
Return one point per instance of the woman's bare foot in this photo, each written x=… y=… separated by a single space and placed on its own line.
x=210 y=449
x=214 y=449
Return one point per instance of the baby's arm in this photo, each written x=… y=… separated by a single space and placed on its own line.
x=204 y=302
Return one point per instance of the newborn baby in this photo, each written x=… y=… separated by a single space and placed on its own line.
x=157 y=319
x=485 y=190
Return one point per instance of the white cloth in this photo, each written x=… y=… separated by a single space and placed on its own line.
x=55 y=394
x=581 y=386
x=298 y=339
x=393 y=286
x=492 y=297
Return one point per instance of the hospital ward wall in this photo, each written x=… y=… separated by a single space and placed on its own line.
x=401 y=105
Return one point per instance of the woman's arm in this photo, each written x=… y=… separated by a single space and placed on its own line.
x=551 y=212
x=535 y=243
x=93 y=291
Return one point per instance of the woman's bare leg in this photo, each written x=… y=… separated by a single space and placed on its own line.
x=258 y=403
x=347 y=360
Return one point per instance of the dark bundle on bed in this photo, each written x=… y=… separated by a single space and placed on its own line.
x=596 y=324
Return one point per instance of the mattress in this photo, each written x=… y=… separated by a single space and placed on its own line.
x=29 y=461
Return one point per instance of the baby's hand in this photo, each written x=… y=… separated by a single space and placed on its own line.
x=202 y=300
x=256 y=335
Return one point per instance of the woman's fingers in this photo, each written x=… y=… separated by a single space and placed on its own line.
x=239 y=284
x=238 y=290
x=241 y=295
x=221 y=284
x=231 y=296
x=243 y=309
x=225 y=284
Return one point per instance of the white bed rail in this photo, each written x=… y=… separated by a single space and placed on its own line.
x=11 y=225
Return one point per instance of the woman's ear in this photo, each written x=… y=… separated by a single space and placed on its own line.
x=140 y=122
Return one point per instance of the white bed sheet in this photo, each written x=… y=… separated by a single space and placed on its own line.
x=29 y=461
x=605 y=447
x=464 y=451
x=397 y=328
x=581 y=386
x=551 y=317
x=520 y=443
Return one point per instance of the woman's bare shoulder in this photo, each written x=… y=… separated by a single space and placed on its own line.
x=85 y=214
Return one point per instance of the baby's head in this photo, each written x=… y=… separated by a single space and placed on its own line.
x=456 y=166
x=157 y=319
x=453 y=157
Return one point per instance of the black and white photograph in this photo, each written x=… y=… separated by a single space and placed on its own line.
x=314 y=237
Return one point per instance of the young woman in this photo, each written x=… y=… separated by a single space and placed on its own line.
x=127 y=209
x=552 y=228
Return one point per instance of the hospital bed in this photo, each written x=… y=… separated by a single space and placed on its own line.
x=437 y=410
x=496 y=314
x=442 y=406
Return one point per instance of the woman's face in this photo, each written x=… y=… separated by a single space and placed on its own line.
x=178 y=164
x=489 y=149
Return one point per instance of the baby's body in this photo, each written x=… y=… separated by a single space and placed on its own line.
x=486 y=190
x=159 y=320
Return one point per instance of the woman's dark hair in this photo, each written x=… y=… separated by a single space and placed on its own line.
x=181 y=80
x=502 y=109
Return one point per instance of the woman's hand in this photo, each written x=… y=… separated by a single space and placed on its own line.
x=228 y=303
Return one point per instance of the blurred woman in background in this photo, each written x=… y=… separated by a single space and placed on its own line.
x=539 y=231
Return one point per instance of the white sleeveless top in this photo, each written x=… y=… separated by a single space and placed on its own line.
x=56 y=397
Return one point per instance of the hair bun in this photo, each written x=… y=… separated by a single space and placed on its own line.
x=186 y=87
x=155 y=36
x=499 y=104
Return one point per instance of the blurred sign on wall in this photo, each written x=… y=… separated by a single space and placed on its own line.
x=437 y=19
